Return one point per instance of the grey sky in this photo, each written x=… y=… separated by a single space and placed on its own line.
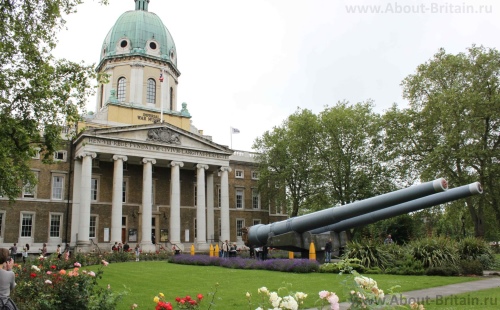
x=250 y=63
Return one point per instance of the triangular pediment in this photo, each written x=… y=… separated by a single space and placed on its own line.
x=160 y=134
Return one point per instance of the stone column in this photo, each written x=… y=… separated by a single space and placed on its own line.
x=75 y=208
x=201 y=229
x=117 y=203
x=210 y=206
x=147 y=184
x=175 y=203
x=84 y=222
x=224 y=209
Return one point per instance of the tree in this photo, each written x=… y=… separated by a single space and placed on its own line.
x=287 y=161
x=348 y=146
x=39 y=95
x=452 y=127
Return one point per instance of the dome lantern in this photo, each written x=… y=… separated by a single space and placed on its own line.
x=141 y=5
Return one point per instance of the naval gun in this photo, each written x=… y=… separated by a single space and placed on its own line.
x=296 y=234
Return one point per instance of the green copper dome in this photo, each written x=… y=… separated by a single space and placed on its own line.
x=139 y=32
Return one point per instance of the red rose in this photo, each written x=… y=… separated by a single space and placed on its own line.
x=188 y=298
x=33 y=275
x=53 y=267
x=200 y=297
x=192 y=302
x=177 y=299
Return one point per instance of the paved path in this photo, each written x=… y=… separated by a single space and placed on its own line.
x=441 y=291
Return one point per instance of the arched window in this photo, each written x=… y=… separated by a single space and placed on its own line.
x=171 y=99
x=122 y=87
x=151 y=91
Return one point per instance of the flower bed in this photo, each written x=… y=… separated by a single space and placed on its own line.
x=285 y=265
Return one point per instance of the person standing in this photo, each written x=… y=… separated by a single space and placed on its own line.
x=328 y=251
x=25 y=252
x=44 y=250
x=388 y=240
x=137 y=250
x=126 y=247
x=7 y=280
x=225 y=249
x=13 y=252
x=58 y=251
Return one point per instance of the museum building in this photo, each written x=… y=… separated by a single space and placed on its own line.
x=138 y=171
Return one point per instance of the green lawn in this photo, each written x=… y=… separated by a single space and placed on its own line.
x=144 y=280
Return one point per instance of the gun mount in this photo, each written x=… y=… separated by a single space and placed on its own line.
x=296 y=234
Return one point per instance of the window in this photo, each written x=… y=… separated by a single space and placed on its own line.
x=195 y=195
x=93 y=226
x=57 y=187
x=255 y=199
x=55 y=225
x=238 y=174
x=94 y=189
x=29 y=191
x=122 y=87
x=60 y=156
x=124 y=191
x=256 y=222
x=26 y=225
x=240 y=223
x=151 y=91
x=36 y=153
x=219 y=197
x=255 y=175
x=239 y=199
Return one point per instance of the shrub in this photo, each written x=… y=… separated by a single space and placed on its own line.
x=446 y=271
x=338 y=267
x=406 y=265
x=433 y=252
x=45 y=286
x=476 y=249
x=471 y=267
x=369 y=253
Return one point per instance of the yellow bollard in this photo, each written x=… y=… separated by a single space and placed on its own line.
x=312 y=251
x=216 y=250
x=192 y=249
x=290 y=255
x=211 y=250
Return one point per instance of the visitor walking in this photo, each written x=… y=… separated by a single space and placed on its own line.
x=58 y=251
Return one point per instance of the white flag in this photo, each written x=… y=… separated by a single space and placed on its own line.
x=235 y=130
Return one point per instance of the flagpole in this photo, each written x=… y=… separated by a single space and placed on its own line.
x=231 y=135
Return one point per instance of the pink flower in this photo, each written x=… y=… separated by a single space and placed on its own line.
x=49 y=272
x=324 y=294
x=77 y=264
x=92 y=274
x=105 y=263
x=48 y=282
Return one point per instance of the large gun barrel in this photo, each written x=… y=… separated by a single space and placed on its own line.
x=404 y=208
x=258 y=235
